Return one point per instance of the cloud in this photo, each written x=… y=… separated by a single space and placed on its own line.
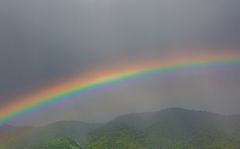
x=43 y=41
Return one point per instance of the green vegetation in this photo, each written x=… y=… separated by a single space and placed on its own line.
x=167 y=129
x=117 y=137
x=58 y=143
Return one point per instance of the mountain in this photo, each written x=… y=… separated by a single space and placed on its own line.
x=62 y=129
x=57 y=143
x=170 y=128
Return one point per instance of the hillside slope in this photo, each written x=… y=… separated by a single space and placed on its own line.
x=173 y=128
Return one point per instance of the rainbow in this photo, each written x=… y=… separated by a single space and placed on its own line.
x=80 y=84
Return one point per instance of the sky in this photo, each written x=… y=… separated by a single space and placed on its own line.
x=44 y=41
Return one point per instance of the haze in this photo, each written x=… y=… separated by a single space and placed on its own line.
x=43 y=41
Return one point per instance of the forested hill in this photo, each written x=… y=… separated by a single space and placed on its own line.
x=170 y=128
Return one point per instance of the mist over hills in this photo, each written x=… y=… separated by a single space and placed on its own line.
x=43 y=41
x=170 y=128
x=46 y=43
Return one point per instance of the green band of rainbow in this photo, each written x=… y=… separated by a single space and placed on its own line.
x=11 y=111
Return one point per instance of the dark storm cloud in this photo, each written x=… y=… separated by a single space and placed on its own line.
x=42 y=41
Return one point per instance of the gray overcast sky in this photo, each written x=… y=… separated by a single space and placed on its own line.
x=42 y=41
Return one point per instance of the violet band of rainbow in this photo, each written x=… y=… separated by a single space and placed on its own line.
x=13 y=110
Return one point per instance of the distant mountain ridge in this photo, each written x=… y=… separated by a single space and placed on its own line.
x=151 y=130
x=169 y=127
